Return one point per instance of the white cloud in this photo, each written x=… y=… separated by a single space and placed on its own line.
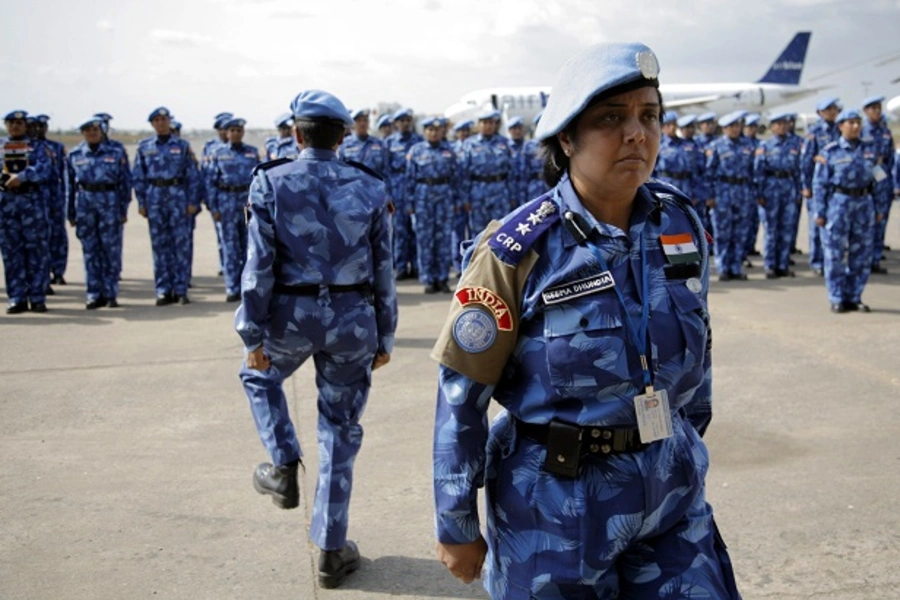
x=179 y=38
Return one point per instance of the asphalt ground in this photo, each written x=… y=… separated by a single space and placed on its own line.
x=127 y=447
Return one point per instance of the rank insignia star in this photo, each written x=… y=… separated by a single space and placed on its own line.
x=523 y=228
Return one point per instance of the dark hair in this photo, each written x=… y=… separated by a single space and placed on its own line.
x=555 y=160
x=321 y=134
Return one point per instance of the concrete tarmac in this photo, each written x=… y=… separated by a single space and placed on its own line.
x=127 y=447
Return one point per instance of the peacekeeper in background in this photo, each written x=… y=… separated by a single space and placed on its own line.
x=55 y=197
x=461 y=132
x=166 y=181
x=673 y=165
x=230 y=172
x=845 y=210
x=531 y=168
x=221 y=138
x=876 y=132
x=398 y=145
x=434 y=181
x=24 y=229
x=695 y=187
x=750 y=131
x=284 y=146
x=795 y=141
x=385 y=126
x=776 y=174
x=488 y=173
x=706 y=123
x=98 y=193
x=729 y=178
x=515 y=128
x=363 y=148
x=820 y=134
x=323 y=291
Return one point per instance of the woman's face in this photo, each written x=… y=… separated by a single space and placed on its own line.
x=617 y=141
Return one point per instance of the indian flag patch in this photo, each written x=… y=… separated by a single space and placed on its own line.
x=679 y=248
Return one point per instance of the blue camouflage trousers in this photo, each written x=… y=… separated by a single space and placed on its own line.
x=99 y=228
x=489 y=201
x=816 y=258
x=778 y=216
x=884 y=196
x=402 y=219
x=170 y=228
x=434 y=221
x=847 y=245
x=59 y=238
x=633 y=525
x=339 y=332
x=24 y=235
x=234 y=244
x=458 y=235
x=730 y=218
x=752 y=229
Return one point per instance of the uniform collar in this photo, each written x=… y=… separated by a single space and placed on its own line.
x=317 y=154
x=644 y=206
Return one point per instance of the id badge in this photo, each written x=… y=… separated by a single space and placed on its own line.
x=879 y=173
x=653 y=416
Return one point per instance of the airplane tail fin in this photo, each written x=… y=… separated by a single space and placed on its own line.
x=788 y=67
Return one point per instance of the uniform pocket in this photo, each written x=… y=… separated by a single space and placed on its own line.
x=692 y=320
x=585 y=344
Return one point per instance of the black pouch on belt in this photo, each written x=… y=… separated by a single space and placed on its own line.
x=563 y=449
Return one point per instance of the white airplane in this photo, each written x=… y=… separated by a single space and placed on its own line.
x=780 y=85
x=892 y=108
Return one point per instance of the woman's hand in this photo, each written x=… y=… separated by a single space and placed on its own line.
x=464 y=561
x=258 y=360
x=381 y=359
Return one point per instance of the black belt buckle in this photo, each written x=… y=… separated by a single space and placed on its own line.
x=563 y=449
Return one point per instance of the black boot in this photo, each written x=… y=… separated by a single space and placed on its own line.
x=17 y=308
x=335 y=565
x=444 y=288
x=279 y=482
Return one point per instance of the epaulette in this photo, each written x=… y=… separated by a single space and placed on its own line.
x=512 y=241
x=661 y=190
x=363 y=167
x=269 y=165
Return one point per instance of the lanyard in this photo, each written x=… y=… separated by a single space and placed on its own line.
x=638 y=334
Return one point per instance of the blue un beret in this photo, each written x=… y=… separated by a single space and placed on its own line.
x=359 y=112
x=752 y=119
x=222 y=115
x=872 y=100
x=161 y=111
x=686 y=120
x=515 y=121
x=383 y=120
x=847 y=114
x=828 y=101
x=284 y=120
x=176 y=125
x=707 y=116
x=430 y=122
x=234 y=122
x=489 y=114
x=94 y=120
x=670 y=116
x=105 y=117
x=467 y=124
x=731 y=118
x=221 y=119
x=403 y=112
x=783 y=115
x=599 y=68
x=318 y=105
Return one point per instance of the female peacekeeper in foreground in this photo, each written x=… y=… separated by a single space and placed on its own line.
x=584 y=314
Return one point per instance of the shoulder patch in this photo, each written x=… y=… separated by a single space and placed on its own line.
x=512 y=241
x=363 y=167
x=270 y=165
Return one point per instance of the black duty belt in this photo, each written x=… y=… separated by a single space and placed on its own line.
x=855 y=192
x=232 y=188
x=780 y=174
x=593 y=440
x=27 y=187
x=166 y=182
x=313 y=289
x=734 y=180
x=490 y=178
x=98 y=187
x=674 y=175
x=433 y=180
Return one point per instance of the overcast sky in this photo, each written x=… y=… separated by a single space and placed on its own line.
x=251 y=57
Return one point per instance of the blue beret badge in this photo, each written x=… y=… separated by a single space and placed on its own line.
x=474 y=330
x=648 y=65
